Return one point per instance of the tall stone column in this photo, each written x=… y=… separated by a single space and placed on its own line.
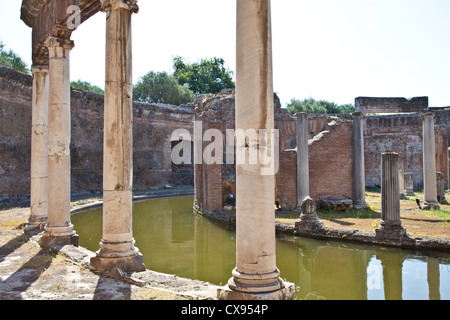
x=440 y=190
x=256 y=275
x=39 y=149
x=302 y=158
x=117 y=248
x=390 y=225
x=448 y=169
x=429 y=162
x=59 y=229
x=359 y=178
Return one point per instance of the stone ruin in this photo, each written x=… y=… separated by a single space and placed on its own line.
x=335 y=167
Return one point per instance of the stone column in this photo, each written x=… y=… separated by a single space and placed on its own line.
x=409 y=184
x=59 y=229
x=401 y=179
x=39 y=149
x=256 y=275
x=448 y=169
x=117 y=248
x=390 y=225
x=359 y=179
x=429 y=162
x=302 y=158
x=440 y=187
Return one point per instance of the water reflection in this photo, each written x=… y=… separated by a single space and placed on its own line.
x=173 y=240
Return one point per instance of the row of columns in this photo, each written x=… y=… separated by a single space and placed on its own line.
x=256 y=272
x=429 y=162
x=51 y=134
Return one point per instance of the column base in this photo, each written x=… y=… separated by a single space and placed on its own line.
x=308 y=224
x=36 y=223
x=285 y=291
x=360 y=205
x=409 y=193
x=430 y=205
x=48 y=240
x=105 y=262
x=390 y=232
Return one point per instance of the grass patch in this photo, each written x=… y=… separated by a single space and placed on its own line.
x=368 y=213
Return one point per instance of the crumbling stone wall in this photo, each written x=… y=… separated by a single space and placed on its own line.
x=330 y=158
x=402 y=133
x=153 y=125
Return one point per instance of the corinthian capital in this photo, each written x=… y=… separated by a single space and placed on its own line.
x=120 y=4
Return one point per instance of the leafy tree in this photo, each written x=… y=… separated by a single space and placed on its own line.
x=12 y=60
x=86 y=86
x=161 y=87
x=206 y=76
x=311 y=105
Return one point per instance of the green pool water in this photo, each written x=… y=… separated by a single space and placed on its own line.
x=174 y=240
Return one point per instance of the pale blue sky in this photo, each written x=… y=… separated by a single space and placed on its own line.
x=326 y=49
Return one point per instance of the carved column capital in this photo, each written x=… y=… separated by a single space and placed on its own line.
x=58 y=47
x=108 y=5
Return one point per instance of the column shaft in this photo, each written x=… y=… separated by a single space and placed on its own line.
x=59 y=226
x=429 y=162
x=359 y=179
x=390 y=197
x=302 y=158
x=390 y=225
x=117 y=248
x=256 y=270
x=39 y=149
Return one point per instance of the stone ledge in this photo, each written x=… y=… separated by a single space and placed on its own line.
x=325 y=233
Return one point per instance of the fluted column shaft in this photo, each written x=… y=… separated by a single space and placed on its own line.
x=39 y=149
x=390 y=197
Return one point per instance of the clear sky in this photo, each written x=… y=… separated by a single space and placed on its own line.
x=326 y=49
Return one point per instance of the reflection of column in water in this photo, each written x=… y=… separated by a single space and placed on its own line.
x=214 y=251
x=307 y=252
x=433 y=278
x=392 y=263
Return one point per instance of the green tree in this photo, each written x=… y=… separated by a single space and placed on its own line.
x=205 y=76
x=161 y=87
x=86 y=86
x=12 y=60
x=311 y=105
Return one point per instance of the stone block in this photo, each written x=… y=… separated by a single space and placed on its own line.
x=335 y=204
x=391 y=105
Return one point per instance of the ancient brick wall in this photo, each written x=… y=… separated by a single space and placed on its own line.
x=152 y=129
x=330 y=159
x=402 y=133
x=286 y=180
